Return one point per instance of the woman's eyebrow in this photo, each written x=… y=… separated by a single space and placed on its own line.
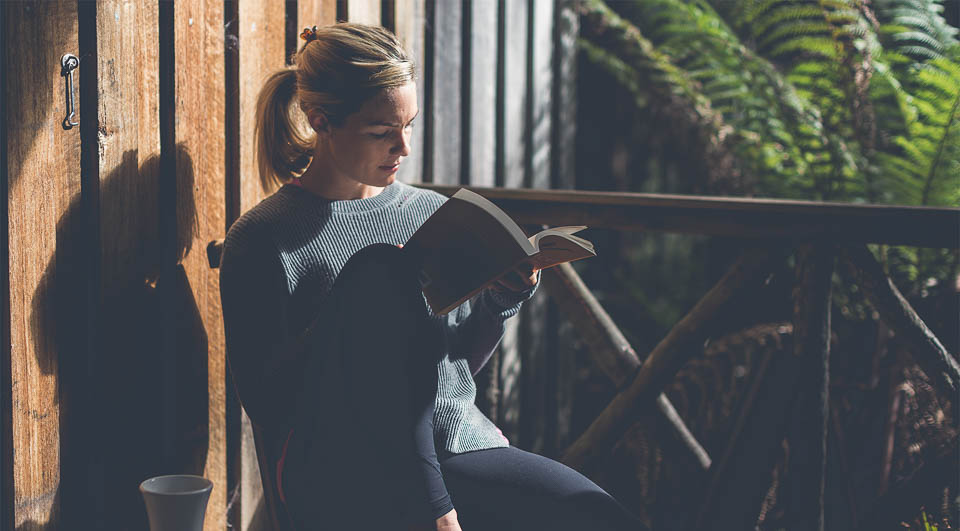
x=391 y=124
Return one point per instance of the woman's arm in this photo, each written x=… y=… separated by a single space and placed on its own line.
x=476 y=329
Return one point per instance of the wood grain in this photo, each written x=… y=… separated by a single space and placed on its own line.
x=364 y=11
x=43 y=171
x=199 y=130
x=409 y=18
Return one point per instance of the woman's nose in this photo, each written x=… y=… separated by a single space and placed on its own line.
x=402 y=147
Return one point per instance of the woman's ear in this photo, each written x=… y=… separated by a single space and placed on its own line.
x=318 y=122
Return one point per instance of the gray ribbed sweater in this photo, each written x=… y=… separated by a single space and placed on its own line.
x=280 y=260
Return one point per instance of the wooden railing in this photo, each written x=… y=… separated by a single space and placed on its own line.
x=821 y=233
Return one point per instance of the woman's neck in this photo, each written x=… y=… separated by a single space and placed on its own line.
x=326 y=183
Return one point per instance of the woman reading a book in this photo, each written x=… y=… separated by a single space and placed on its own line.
x=363 y=397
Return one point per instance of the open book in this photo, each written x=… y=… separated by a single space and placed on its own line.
x=469 y=242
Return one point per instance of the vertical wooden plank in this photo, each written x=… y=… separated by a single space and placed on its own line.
x=199 y=131
x=315 y=13
x=364 y=11
x=35 y=37
x=540 y=83
x=566 y=29
x=444 y=91
x=6 y=455
x=409 y=20
x=261 y=30
x=512 y=148
x=127 y=148
x=481 y=69
x=807 y=436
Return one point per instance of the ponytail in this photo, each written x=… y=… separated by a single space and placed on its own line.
x=284 y=147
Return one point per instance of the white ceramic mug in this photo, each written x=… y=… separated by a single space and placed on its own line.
x=176 y=503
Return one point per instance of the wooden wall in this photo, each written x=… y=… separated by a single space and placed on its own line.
x=112 y=364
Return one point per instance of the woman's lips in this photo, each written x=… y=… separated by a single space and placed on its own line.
x=393 y=167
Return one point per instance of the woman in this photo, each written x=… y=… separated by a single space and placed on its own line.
x=365 y=394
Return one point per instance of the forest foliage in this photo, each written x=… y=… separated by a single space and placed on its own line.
x=835 y=100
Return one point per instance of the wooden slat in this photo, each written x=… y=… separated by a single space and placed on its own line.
x=482 y=73
x=35 y=36
x=364 y=11
x=261 y=51
x=807 y=436
x=127 y=173
x=409 y=19
x=564 y=95
x=512 y=158
x=199 y=49
x=261 y=33
x=314 y=13
x=445 y=109
x=729 y=216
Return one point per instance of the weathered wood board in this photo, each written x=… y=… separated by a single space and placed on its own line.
x=43 y=181
x=199 y=132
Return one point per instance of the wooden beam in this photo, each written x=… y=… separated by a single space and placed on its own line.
x=680 y=344
x=939 y=365
x=807 y=436
x=608 y=346
x=796 y=221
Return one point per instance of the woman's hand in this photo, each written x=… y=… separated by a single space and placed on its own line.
x=520 y=278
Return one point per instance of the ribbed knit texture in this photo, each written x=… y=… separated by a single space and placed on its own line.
x=298 y=240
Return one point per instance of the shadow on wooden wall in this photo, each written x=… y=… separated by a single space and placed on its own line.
x=132 y=393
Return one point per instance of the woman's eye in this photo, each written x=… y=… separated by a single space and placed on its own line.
x=380 y=135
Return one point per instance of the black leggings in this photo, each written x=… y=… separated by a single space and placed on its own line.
x=362 y=452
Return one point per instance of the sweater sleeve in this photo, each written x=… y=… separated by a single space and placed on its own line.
x=476 y=328
x=263 y=356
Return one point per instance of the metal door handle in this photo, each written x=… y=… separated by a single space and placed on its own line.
x=68 y=64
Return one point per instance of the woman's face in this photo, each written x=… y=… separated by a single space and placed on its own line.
x=369 y=146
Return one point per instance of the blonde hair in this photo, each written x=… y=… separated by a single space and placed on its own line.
x=334 y=74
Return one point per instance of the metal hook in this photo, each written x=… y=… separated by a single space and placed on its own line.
x=68 y=64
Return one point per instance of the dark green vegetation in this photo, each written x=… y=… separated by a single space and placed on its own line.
x=845 y=101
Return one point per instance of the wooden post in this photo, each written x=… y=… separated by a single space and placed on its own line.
x=663 y=363
x=609 y=348
x=408 y=20
x=808 y=422
x=939 y=365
